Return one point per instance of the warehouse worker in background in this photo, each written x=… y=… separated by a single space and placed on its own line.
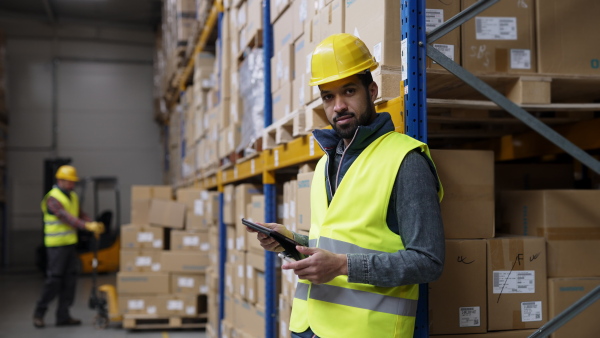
x=62 y=218
x=376 y=227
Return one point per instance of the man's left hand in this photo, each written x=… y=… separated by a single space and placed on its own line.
x=320 y=266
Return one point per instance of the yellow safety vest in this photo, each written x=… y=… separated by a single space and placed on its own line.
x=57 y=233
x=355 y=222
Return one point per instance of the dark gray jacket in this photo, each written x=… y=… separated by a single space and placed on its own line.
x=413 y=213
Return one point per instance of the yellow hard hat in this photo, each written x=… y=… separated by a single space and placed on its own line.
x=340 y=56
x=67 y=172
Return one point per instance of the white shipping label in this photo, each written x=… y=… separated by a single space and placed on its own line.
x=151 y=310
x=286 y=210
x=175 y=305
x=404 y=58
x=185 y=282
x=251 y=293
x=470 y=316
x=292 y=209
x=157 y=243
x=205 y=246
x=520 y=59
x=191 y=240
x=249 y=271
x=308 y=63
x=155 y=267
x=204 y=193
x=230 y=245
x=447 y=50
x=433 y=18
x=135 y=304
x=143 y=261
x=203 y=289
x=311 y=145
x=199 y=207
x=190 y=310
x=377 y=52
x=143 y=237
x=514 y=281
x=240 y=271
x=495 y=28
x=531 y=311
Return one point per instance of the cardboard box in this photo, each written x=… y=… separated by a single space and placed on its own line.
x=467 y=177
x=138 y=304
x=186 y=262
x=140 y=211
x=564 y=292
x=178 y=305
x=141 y=192
x=135 y=236
x=498 y=334
x=249 y=318
x=189 y=283
x=256 y=213
x=303 y=200
x=377 y=24
x=300 y=15
x=332 y=18
x=255 y=263
x=517 y=293
x=189 y=241
x=458 y=300
x=563 y=41
x=139 y=260
x=568 y=219
x=438 y=12
x=283 y=35
x=167 y=214
x=243 y=193
x=282 y=67
x=282 y=102
x=143 y=282
x=255 y=19
x=501 y=39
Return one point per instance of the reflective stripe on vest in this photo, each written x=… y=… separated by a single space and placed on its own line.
x=355 y=222
x=56 y=233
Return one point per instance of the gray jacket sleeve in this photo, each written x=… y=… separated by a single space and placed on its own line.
x=415 y=210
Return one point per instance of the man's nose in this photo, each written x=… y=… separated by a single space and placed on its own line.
x=340 y=104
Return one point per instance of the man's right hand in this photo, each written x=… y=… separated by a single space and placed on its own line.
x=96 y=227
x=268 y=243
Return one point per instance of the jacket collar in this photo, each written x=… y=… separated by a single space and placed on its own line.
x=329 y=139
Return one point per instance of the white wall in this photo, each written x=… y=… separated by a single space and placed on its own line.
x=102 y=90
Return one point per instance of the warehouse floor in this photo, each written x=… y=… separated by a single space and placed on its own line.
x=19 y=291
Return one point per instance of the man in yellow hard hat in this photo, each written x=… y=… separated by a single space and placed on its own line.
x=62 y=218
x=376 y=228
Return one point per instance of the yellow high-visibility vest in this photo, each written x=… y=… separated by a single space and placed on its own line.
x=355 y=222
x=57 y=233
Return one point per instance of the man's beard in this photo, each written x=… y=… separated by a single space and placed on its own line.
x=347 y=131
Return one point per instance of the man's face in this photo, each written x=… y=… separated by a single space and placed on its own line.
x=348 y=104
x=66 y=185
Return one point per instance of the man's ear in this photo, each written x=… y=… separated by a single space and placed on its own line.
x=373 y=90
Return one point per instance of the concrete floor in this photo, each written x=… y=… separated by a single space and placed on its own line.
x=19 y=291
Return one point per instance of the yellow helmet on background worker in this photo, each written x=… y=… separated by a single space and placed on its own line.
x=340 y=56
x=67 y=173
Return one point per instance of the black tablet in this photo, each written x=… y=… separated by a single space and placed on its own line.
x=288 y=244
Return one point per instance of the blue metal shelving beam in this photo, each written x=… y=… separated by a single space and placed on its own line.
x=415 y=109
x=269 y=189
x=222 y=226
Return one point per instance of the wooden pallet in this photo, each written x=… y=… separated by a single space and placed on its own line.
x=145 y=322
x=284 y=130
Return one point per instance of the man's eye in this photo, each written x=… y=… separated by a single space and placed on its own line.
x=350 y=91
x=327 y=97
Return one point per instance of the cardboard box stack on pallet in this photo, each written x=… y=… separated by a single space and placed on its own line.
x=514 y=279
x=165 y=256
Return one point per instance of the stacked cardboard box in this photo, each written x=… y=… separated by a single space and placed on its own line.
x=164 y=254
x=490 y=282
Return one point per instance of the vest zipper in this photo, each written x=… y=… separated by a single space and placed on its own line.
x=337 y=175
x=326 y=165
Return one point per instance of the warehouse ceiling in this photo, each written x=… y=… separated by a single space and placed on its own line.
x=139 y=14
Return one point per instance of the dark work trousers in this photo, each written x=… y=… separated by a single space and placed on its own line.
x=63 y=268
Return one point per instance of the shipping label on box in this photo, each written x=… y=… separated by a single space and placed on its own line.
x=184 y=261
x=437 y=13
x=517 y=292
